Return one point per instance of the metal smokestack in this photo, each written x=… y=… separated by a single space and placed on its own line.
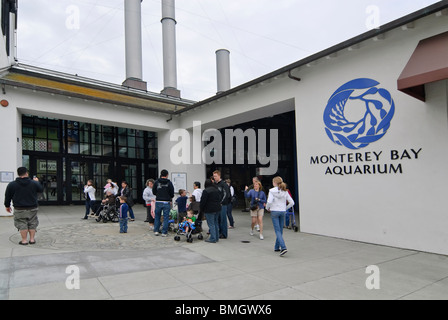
x=133 y=35
x=169 y=48
x=223 y=70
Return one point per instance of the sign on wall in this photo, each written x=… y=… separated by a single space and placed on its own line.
x=357 y=115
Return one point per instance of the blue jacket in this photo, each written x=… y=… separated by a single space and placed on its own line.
x=256 y=194
x=124 y=209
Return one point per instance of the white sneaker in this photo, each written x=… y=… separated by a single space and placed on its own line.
x=164 y=235
x=156 y=234
x=261 y=237
x=252 y=232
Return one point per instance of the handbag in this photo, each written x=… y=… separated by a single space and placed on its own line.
x=254 y=206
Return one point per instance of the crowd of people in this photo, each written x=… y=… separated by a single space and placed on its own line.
x=213 y=203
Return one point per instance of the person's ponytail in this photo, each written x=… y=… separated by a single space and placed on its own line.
x=280 y=184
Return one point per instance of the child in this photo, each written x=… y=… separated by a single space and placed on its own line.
x=182 y=203
x=188 y=222
x=123 y=217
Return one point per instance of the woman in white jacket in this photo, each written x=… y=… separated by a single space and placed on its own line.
x=150 y=203
x=277 y=199
x=89 y=193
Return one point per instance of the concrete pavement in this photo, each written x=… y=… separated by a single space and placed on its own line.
x=139 y=265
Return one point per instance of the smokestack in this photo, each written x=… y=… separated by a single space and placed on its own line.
x=133 y=35
x=169 y=48
x=223 y=70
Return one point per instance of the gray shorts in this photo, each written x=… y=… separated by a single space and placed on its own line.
x=26 y=219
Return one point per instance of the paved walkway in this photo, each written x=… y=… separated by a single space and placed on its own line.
x=139 y=265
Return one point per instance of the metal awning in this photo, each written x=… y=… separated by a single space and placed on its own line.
x=428 y=63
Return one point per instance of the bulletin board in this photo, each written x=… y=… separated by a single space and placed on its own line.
x=179 y=181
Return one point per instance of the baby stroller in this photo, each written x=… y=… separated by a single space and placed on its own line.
x=109 y=212
x=193 y=228
x=288 y=220
x=173 y=220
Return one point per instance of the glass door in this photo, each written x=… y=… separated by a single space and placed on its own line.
x=101 y=172
x=49 y=172
x=78 y=175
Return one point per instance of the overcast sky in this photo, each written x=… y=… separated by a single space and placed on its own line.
x=262 y=35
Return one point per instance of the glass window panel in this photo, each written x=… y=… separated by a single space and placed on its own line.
x=108 y=138
x=107 y=129
x=131 y=141
x=28 y=131
x=122 y=131
x=28 y=144
x=107 y=151
x=150 y=143
x=38 y=121
x=84 y=126
x=53 y=146
x=96 y=137
x=96 y=128
x=122 y=141
x=41 y=145
x=96 y=150
x=140 y=143
x=26 y=162
x=123 y=152
x=140 y=153
x=131 y=153
x=29 y=120
x=73 y=147
x=84 y=136
x=41 y=132
x=153 y=154
x=84 y=148
x=53 y=133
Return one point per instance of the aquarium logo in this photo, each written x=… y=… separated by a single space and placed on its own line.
x=359 y=113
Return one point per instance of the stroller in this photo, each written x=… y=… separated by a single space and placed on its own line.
x=288 y=220
x=193 y=227
x=173 y=220
x=109 y=212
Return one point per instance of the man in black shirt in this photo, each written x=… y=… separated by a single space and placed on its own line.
x=226 y=198
x=163 y=189
x=23 y=194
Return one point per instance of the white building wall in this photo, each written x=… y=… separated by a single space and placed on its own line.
x=168 y=160
x=22 y=101
x=11 y=146
x=65 y=108
x=406 y=209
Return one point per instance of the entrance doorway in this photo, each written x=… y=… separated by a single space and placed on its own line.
x=79 y=171
x=49 y=173
x=241 y=175
x=64 y=179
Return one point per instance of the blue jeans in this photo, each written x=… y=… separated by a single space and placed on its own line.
x=212 y=221
x=131 y=213
x=89 y=205
x=222 y=221
x=123 y=225
x=164 y=207
x=229 y=214
x=278 y=220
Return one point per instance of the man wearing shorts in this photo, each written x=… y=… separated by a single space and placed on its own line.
x=23 y=194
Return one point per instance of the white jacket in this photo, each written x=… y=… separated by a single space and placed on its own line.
x=148 y=196
x=277 y=200
x=91 y=192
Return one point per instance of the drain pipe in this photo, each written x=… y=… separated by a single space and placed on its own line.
x=290 y=76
